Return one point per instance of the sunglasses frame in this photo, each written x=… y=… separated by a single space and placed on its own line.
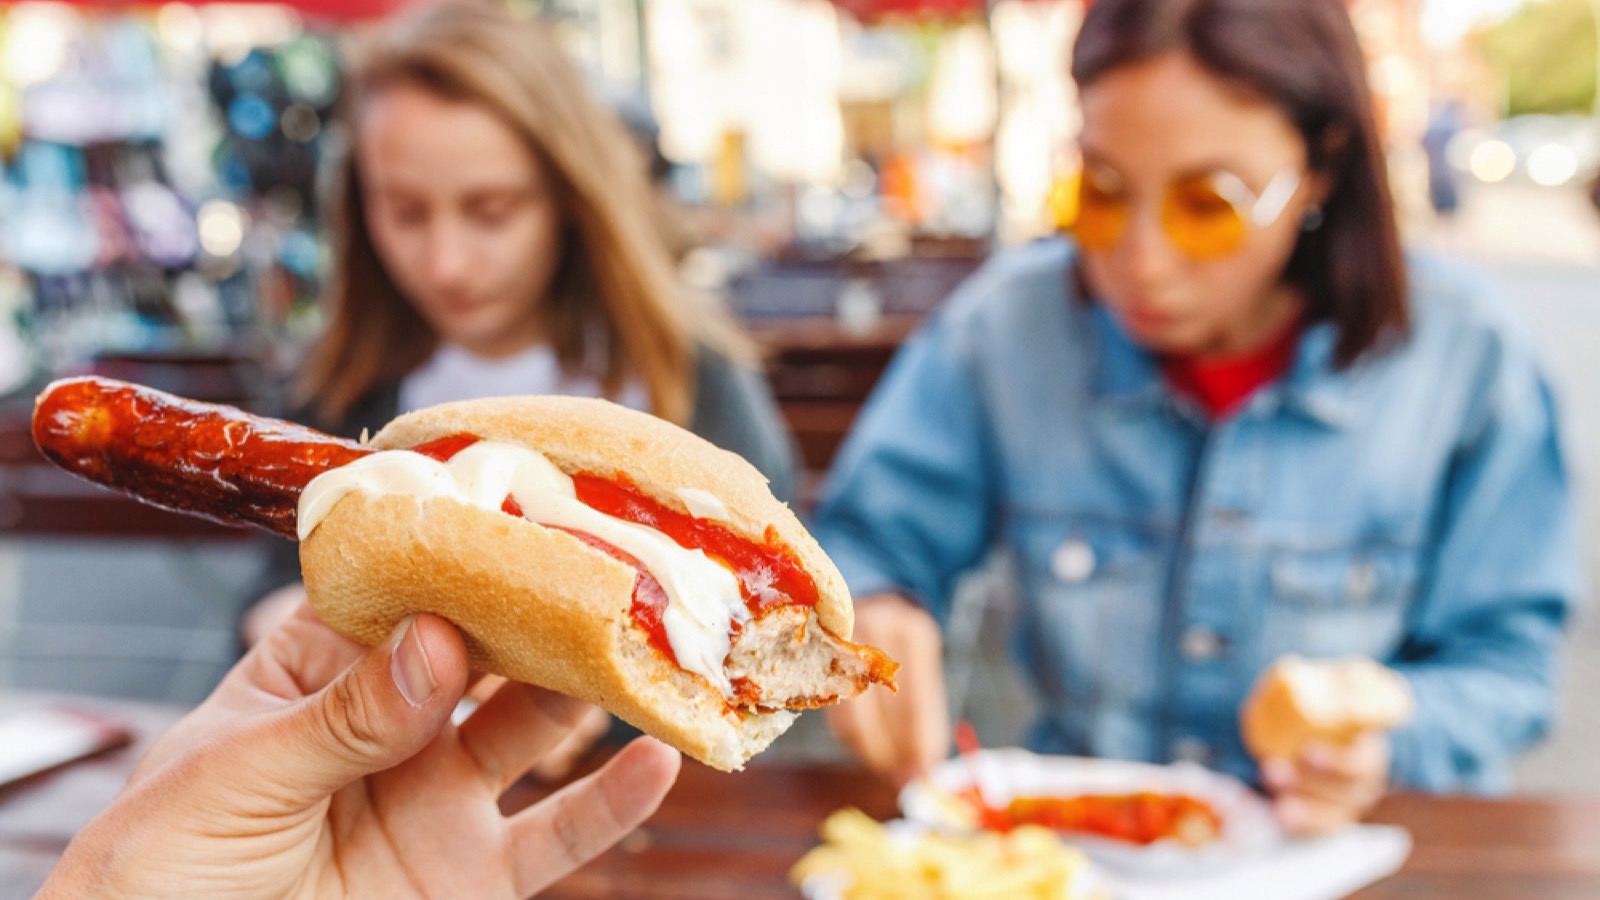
x=1257 y=211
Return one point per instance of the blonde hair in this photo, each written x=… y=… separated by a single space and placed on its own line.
x=615 y=276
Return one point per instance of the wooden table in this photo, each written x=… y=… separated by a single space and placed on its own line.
x=734 y=837
x=1546 y=848
x=40 y=815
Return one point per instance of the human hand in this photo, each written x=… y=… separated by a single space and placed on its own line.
x=899 y=736
x=1329 y=786
x=322 y=768
x=266 y=614
x=588 y=727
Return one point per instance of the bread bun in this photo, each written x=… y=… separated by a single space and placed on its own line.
x=538 y=605
x=1332 y=701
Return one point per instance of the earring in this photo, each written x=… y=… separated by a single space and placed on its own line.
x=1312 y=220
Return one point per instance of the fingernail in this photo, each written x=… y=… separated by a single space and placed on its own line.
x=409 y=666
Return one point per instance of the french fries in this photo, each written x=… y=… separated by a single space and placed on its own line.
x=1029 y=863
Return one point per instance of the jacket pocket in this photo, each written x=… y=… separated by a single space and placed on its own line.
x=1340 y=602
x=1093 y=620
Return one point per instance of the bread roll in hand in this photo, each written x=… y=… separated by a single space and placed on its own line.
x=1333 y=701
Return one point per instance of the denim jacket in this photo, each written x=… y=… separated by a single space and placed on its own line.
x=1413 y=508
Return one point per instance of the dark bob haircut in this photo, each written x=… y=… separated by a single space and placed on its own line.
x=1302 y=56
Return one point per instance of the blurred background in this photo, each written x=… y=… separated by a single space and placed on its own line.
x=834 y=169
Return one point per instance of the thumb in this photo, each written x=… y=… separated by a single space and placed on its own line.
x=376 y=714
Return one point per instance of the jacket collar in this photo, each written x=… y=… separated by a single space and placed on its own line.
x=1314 y=388
x=1126 y=376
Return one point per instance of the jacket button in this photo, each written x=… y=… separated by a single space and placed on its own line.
x=1231 y=516
x=1073 y=562
x=1200 y=644
x=1191 y=750
x=1363 y=582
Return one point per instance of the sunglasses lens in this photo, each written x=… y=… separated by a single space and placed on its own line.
x=1102 y=213
x=1200 y=221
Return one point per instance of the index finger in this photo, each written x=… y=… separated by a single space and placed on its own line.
x=860 y=724
x=300 y=657
x=924 y=737
x=563 y=831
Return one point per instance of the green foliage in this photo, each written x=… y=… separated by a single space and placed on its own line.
x=1545 y=56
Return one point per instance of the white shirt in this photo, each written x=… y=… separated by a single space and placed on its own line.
x=453 y=373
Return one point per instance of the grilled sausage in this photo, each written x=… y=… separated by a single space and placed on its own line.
x=199 y=458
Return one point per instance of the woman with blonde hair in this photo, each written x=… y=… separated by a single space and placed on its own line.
x=491 y=235
x=489 y=205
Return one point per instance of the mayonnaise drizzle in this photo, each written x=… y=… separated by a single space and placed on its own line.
x=703 y=504
x=703 y=598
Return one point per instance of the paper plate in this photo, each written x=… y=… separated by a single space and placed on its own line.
x=1248 y=827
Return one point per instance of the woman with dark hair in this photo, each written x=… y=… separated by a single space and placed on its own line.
x=1227 y=422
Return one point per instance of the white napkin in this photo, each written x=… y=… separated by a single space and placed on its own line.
x=1323 y=869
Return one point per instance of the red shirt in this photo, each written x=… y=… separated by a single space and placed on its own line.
x=1222 y=384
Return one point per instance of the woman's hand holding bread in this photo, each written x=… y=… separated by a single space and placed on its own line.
x=1319 y=729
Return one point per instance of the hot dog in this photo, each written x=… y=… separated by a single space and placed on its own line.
x=579 y=545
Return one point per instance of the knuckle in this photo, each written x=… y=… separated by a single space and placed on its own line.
x=568 y=834
x=567 y=713
x=581 y=828
x=353 y=720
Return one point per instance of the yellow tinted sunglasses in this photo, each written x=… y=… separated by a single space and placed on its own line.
x=1205 y=216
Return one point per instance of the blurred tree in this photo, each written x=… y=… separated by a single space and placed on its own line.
x=1545 y=56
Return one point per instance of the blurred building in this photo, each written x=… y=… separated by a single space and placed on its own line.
x=161 y=161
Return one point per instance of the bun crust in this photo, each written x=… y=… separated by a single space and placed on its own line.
x=1297 y=701
x=377 y=559
x=602 y=438
x=538 y=605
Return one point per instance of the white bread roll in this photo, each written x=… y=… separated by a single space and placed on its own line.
x=538 y=605
x=1333 y=701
